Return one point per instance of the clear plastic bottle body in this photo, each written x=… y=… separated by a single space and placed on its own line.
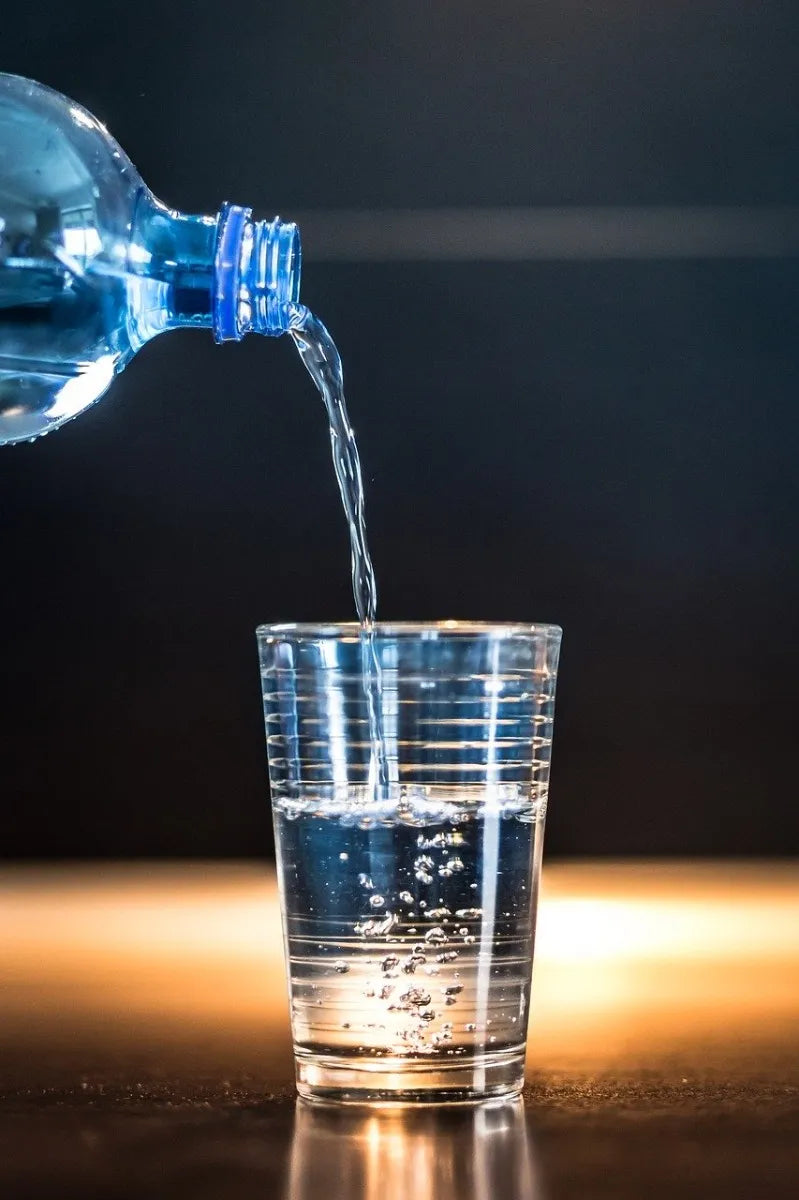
x=92 y=265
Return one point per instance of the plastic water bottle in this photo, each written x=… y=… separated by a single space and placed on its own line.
x=92 y=266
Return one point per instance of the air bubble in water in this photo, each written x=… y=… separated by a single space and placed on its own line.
x=436 y=936
x=376 y=901
x=447 y=956
x=389 y=962
x=340 y=966
x=455 y=863
x=468 y=914
x=423 y=868
x=463 y=930
x=434 y=843
x=415 y=997
x=470 y=1028
x=343 y=856
x=437 y=914
x=378 y=928
x=365 y=881
x=406 y=897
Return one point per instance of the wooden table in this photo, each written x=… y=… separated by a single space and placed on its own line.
x=144 y=1046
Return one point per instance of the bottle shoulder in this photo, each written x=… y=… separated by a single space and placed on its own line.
x=68 y=195
x=68 y=192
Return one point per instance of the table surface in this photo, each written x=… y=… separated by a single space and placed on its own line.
x=145 y=1052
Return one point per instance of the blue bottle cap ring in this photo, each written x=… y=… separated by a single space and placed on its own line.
x=232 y=220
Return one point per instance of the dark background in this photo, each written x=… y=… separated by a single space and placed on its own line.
x=609 y=445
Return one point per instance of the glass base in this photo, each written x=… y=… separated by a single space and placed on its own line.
x=352 y=1080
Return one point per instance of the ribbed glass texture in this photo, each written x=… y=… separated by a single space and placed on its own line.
x=464 y=706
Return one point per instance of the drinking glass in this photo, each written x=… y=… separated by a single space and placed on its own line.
x=409 y=770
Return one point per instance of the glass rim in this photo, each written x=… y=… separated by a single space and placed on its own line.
x=314 y=630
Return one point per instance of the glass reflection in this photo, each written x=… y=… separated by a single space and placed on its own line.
x=474 y=1153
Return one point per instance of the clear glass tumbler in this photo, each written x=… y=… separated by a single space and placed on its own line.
x=409 y=895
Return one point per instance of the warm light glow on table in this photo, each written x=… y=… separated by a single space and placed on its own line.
x=629 y=956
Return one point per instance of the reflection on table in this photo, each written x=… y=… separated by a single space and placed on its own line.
x=483 y=1153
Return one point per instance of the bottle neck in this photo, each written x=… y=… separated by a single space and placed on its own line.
x=227 y=273
x=256 y=274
